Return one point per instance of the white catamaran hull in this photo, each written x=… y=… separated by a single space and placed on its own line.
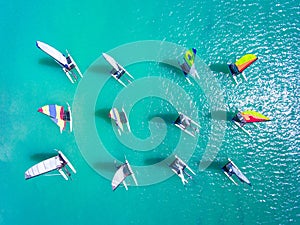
x=178 y=167
x=68 y=74
x=242 y=128
x=76 y=67
x=71 y=119
x=189 y=71
x=67 y=161
x=121 y=82
x=128 y=126
x=240 y=175
x=184 y=129
x=62 y=173
x=185 y=165
x=237 y=172
x=230 y=178
x=132 y=173
x=195 y=123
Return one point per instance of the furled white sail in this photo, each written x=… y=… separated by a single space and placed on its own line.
x=57 y=55
x=112 y=61
x=123 y=172
x=44 y=167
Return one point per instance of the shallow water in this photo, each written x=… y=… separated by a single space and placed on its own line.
x=221 y=31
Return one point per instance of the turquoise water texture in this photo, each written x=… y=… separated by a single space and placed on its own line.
x=221 y=31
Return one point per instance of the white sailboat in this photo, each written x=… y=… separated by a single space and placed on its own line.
x=121 y=174
x=58 y=163
x=66 y=62
x=178 y=167
x=118 y=71
x=231 y=169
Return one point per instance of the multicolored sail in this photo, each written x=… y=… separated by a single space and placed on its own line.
x=245 y=61
x=189 y=56
x=187 y=65
x=252 y=116
x=56 y=113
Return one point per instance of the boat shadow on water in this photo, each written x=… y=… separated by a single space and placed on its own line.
x=221 y=115
x=100 y=68
x=219 y=68
x=171 y=64
x=173 y=67
x=48 y=62
x=154 y=160
x=103 y=114
x=168 y=118
x=106 y=166
x=215 y=165
x=42 y=156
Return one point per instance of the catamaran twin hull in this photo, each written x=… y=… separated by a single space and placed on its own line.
x=231 y=169
x=184 y=123
x=67 y=63
x=178 y=167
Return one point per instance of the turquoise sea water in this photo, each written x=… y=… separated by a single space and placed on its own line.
x=221 y=31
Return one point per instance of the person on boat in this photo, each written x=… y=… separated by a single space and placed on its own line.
x=70 y=65
x=233 y=69
x=182 y=120
x=118 y=73
x=240 y=119
x=66 y=116
x=228 y=169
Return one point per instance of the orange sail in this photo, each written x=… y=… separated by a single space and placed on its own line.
x=245 y=61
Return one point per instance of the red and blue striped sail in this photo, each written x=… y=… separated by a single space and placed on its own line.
x=56 y=113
